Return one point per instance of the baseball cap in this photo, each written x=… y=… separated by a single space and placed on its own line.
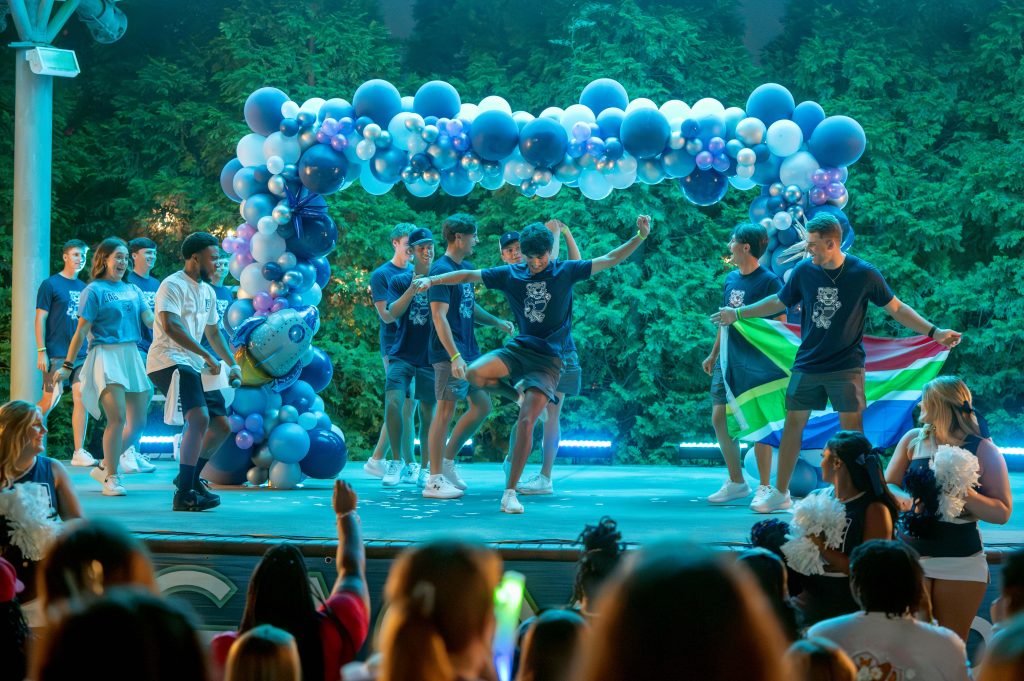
x=10 y=585
x=420 y=236
x=507 y=239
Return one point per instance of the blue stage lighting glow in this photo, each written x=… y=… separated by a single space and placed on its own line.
x=585 y=444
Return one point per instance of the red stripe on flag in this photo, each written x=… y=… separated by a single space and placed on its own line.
x=886 y=354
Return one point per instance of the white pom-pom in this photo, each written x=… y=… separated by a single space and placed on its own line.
x=803 y=556
x=26 y=507
x=956 y=473
x=820 y=514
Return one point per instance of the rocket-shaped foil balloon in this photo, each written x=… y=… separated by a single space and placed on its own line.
x=275 y=344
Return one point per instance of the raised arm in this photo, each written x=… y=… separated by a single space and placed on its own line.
x=451 y=278
x=909 y=318
x=616 y=256
x=350 y=558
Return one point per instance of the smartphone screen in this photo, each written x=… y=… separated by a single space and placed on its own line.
x=508 y=604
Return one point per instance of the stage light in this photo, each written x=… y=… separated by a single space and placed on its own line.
x=104 y=20
x=706 y=445
x=581 y=450
x=585 y=444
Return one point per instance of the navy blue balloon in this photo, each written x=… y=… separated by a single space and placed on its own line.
x=362 y=122
x=767 y=172
x=613 y=148
x=318 y=238
x=837 y=141
x=690 y=128
x=377 y=99
x=770 y=102
x=323 y=271
x=271 y=271
x=327 y=454
x=610 y=122
x=644 y=133
x=289 y=127
x=761 y=152
x=839 y=214
x=387 y=164
x=307 y=272
x=258 y=206
x=229 y=464
x=494 y=135
x=437 y=98
x=305 y=119
x=604 y=93
x=227 y=176
x=787 y=237
x=704 y=187
x=299 y=395
x=337 y=109
x=808 y=115
x=263 y=110
x=319 y=371
x=322 y=169
x=543 y=142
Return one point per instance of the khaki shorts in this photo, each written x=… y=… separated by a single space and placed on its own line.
x=50 y=379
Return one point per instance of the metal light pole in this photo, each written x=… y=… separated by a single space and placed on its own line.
x=33 y=160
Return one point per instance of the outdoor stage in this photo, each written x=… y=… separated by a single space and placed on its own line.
x=208 y=556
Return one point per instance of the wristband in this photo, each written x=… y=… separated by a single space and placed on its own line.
x=931 y=331
x=455 y=356
x=642 y=237
x=68 y=365
x=738 y=317
x=40 y=349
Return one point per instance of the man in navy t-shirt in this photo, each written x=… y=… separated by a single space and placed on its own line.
x=749 y=282
x=834 y=290
x=143 y=254
x=56 y=321
x=454 y=311
x=540 y=294
x=410 y=374
x=380 y=278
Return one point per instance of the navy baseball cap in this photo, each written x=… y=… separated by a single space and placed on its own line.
x=507 y=239
x=420 y=236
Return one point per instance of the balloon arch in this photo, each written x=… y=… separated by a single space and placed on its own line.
x=297 y=153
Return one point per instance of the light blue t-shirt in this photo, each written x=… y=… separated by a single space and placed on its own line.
x=115 y=310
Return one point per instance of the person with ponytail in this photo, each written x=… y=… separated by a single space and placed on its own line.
x=440 y=618
x=943 y=527
x=854 y=471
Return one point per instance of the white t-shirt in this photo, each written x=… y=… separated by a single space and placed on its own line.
x=897 y=648
x=195 y=302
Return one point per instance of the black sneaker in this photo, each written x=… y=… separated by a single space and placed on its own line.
x=190 y=500
x=202 y=489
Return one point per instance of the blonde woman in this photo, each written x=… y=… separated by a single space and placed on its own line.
x=951 y=551
x=112 y=314
x=264 y=653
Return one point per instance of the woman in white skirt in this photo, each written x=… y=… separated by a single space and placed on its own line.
x=951 y=549
x=111 y=314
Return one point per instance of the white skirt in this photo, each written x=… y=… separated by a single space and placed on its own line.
x=957 y=569
x=112 y=364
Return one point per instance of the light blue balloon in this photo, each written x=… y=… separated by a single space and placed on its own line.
x=249 y=401
x=370 y=182
x=288 y=442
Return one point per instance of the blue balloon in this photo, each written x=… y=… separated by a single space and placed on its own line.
x=322 y=169
x=840 y=215
x=229 y=464
x=288 y=442
x=543 y=142
x=610 y=122
x=644 y=133
x=271 y=271
x=437 y=98
x=808 y=115
x=604 y=93
x=337 y=109
x=787 y=237
x=767 y=171
x=258 y=206
x=650 y=171
x=759 y=209
x=387 y=164
x=455 y=182
x=613 y=149
x=245 y=183
x=805 y=479
x=323 y=271
x=227 y=176
x=494 y=135
x=837 y=141
x=289 y=127
x=704 y=187
x=770 y=102
x=319 y=371
x=678 y=163
x=690 y=128
x=318 y=238
x=377 y=99
x=237 y=312
x=263 y=110
x=299 y=395
x=327 y=454
x=249 y=401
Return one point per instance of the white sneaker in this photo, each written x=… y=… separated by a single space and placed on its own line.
x=422 y=477
x=760 y=494
x=729 y=492
x=438 y=487
x=538 y=484
x=143 y=462
x=392 y=473
x=128 y=463
x=83 y=458
x=509 y=502
x=410 y=474
x=374 y=468
x=773 y=501
x=112 y=486
x=452 y=475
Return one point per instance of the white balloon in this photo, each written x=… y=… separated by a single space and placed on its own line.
x=522 y=118
x=275 y=164
x=577 y=113
x=553 y=112
x=287 y=148
x=740 y=182
x=744 y=172
x=640 y=103
x=784 y=138
x=404 y=127
x=550 y=189
x=468 y=112
x=266 y=247
x=312 y=105
x=707 y=106
x=798 y=169
x=782 y=221
x=751 y=131
x=290 y=109
x=267 y=225
x=496 y=103
x=251 y=281
x=594 y=185
x=675 y=108
x=250 y=150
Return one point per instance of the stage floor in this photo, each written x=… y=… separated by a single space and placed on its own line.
x=649 y=502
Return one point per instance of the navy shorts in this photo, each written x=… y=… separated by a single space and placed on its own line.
x=809 y=392
x=190 y=390
x=530 y=369
x=413 y=381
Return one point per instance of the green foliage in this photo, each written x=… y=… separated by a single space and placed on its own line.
x=141 y=136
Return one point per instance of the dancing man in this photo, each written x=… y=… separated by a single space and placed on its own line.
x=186 y=310
x=834 y=289
x=749 y=281
x=540 y=291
